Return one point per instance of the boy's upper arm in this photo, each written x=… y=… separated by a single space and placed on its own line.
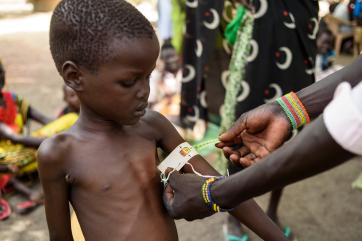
x=170 y=139
x=56 y=190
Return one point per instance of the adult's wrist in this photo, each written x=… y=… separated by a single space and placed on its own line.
x=294 y=109
x=220 y=194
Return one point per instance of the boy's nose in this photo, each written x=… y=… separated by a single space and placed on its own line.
x=143 y=92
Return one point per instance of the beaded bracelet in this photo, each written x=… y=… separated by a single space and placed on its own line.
x=206 y=194
x=294 y=110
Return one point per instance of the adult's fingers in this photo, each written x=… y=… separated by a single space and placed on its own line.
x=256 y=145
x=168 y=200
x=169 y=194
x=173 y=180
x=238 y=127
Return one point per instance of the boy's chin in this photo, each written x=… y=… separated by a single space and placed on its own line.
x=131 y=122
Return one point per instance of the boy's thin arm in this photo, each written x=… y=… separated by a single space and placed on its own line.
x=38 y=116
x=56 y=192
x=248 y=212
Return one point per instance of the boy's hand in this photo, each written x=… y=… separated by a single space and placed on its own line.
x=185 y=202
x=255 y=134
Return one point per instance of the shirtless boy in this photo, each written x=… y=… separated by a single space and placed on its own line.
x=105 y=165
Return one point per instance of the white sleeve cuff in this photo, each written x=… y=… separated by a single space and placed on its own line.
x=343 y=118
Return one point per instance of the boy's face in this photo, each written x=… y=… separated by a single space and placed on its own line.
x=119 y=89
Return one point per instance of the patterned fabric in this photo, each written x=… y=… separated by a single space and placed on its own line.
x=14 y=111
x=25 y=158
x=281 y=57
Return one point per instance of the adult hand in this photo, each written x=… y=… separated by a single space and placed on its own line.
x=182 y=197
x=255 y=134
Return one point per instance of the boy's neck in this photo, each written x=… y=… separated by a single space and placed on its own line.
x=91 y=122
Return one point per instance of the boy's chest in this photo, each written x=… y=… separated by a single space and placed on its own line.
x=115 y=164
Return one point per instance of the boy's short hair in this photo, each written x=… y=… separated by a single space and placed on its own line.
x=81 y=30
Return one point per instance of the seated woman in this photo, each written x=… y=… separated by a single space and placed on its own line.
x=17 y=151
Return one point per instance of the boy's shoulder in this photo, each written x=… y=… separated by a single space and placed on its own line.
x=55 y=149
x=156 y=120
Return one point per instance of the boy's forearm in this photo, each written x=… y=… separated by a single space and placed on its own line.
x=250 y=214
x=60 y=238
x=316 y=96
x=311 y=152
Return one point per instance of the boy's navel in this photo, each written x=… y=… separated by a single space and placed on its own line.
x=69 y=178
x=106 y=187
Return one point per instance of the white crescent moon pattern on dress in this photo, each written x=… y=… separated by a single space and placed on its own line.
x=288 y=58
x=199 y=48
x=203 y=99
x=192 y=4
x=290 y=25
x=195 y=117
x=245 y=91
x=313 y=35
x=191 y=75
x=225 y=77
x=312 y=69
x=226 y=46
x=221 y=109
x=224 y=12
x=309 y=71
x=254 y=51
x=278 y=93
x=215 y=22
x=262 y=9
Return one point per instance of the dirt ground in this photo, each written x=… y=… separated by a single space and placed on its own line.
x=322 y=208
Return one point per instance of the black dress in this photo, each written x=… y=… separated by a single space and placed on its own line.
x=281 y=59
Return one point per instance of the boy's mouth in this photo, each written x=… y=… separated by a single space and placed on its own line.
x=142 y=106
x=141 y=109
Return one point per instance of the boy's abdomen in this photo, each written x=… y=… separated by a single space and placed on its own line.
x=147 y=221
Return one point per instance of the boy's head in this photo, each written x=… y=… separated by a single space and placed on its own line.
x=2 y=75
x=71 y=98
x=105 y=51
x=324 y=41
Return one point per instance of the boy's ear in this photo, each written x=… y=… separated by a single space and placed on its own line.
x=72 y=76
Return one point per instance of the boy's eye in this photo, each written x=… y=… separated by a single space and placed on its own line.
x=128 y=83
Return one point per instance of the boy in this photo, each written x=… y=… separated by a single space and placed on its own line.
x=105 y=165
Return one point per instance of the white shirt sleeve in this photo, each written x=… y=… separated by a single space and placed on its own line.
x=343 y=117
